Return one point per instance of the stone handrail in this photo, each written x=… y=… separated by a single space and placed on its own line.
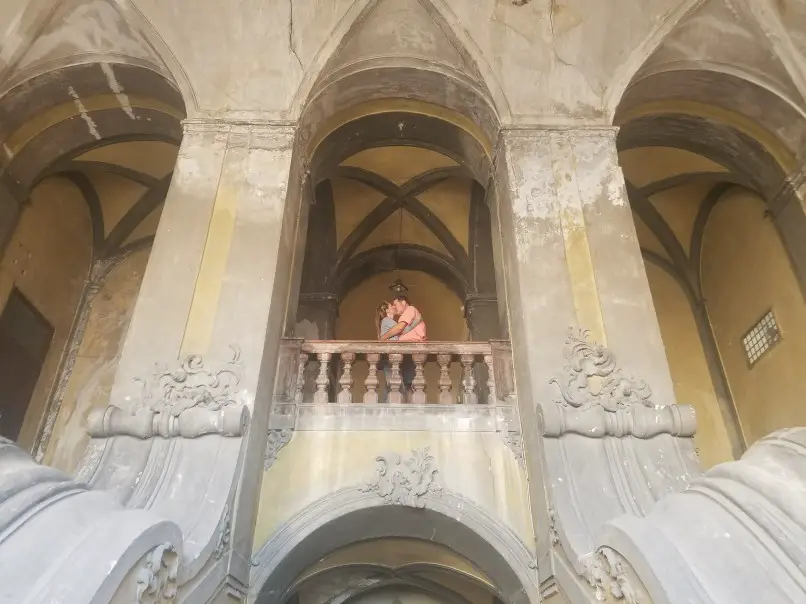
x=483 y=364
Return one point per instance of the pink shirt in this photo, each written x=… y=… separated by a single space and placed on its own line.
x=418 y=334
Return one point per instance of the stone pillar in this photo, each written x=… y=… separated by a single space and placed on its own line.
x=211 y=312
x=482 y=317
x=572 y=260
x=10 y=208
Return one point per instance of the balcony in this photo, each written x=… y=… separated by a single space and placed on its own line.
x=359 y=385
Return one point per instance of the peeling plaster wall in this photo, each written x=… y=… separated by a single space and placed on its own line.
x=315 y=464
x=568 y=59
x=48 y=259
x=96 y=361
x=746 y=272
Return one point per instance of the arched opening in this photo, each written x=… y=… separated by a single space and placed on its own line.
x=721 y=228
x=355 y=547
x=398 y=197
x=84 y=175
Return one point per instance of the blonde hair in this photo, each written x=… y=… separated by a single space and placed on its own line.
x=380 y=315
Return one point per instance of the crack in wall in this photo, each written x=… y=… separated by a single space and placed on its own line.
x=291 y=48
x=552 y=8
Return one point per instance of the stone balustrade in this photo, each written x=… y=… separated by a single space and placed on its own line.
x=468 y=373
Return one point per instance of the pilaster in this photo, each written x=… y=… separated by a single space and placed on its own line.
x=572 y=261
x=201 y=354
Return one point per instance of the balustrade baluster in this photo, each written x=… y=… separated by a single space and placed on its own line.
x=418 y=384
x=445 y=396
x=303 y=363
x=371 y=383
x=488 y=360
x=323 y=379
x=395 y=380
x=345 y=397
x=469 y=396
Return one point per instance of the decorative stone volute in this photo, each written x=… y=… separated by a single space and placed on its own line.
x=187 y=402
x=407 y=482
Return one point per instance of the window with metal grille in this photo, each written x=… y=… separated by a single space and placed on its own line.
x=761 y=338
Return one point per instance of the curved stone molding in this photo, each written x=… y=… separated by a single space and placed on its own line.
x=60 y=539
x=147 y=423
x=610 y=450
x=453 y=514
x=156 y=581
x=400 y=482
x=638 y=421
x=743 y=519
x=277 y=439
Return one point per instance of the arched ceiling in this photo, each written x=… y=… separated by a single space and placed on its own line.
x=399 y=207
x=568 y=60
x=393 y=564
x=111 y=130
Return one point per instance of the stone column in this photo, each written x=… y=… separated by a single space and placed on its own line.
x=10 y=208
x=572 y=260
x=211 y=311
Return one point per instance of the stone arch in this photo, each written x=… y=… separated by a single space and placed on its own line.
x=351 y=515
x=751 y=133
x=444 y=20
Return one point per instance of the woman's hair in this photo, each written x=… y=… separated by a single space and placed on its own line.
x=380 y=315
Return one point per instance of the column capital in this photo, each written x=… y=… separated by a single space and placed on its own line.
x=541 y=129
x=238 y=133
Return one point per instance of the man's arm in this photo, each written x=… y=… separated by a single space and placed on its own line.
x=394 y=331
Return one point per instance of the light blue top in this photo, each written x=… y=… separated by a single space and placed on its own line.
x=387 y=324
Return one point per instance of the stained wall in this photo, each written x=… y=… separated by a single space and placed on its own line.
x=746 y=272
x=96 y=360
x=48 y=259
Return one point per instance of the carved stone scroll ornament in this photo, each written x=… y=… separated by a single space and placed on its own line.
x=589 y=362
x=222 y=545
x=191 y=401
x=406 y=482
x=156 y=580
x=612 y=576
x=276 y=440
x=514 y=441
x=598 y=400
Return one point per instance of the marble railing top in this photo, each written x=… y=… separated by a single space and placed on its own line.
x=373 y=346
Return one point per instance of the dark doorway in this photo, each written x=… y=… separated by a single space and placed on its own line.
x=25 y=337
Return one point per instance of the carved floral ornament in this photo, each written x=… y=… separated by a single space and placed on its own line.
x=612 y=576
x=190 y=401
x=405 y=482
x=589 y=363
x=156 y=580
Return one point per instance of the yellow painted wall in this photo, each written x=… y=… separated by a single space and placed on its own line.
x=746 y=272
x=48 y=259
x=692 y=380
x=440 y=307
x=449 y=201
x=314 y=465
x=96 y=361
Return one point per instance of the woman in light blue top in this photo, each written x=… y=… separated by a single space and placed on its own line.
x=385 y=317
x=385 y=320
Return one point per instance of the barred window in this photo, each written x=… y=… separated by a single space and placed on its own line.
x=761 y=338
